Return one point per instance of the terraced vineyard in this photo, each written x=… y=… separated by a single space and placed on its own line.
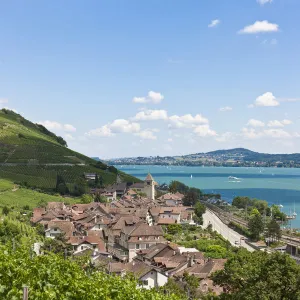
x=31 y=154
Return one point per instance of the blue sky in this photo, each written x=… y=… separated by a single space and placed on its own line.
x=128 y=78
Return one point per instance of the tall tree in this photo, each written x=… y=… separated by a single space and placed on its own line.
x=199 y=211
x=273 y=230
x=190 y=198
x=256 y=224
x=259 y=275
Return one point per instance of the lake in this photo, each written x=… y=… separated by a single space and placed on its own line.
x=276 y=185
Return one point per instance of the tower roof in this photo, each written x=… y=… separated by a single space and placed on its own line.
x=149 y=177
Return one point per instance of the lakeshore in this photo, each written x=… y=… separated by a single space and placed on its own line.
x=280 y=186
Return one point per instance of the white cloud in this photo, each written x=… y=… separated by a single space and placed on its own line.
x=255 y=123
x=214 y=23
x=250 y=133
x=187 y=121
x=103 y=131
x=69 y=128
x=56 y=126
x=204 y=131
x=122 y=125
x=226 y=108
x=276 y=123
x=51 y=125
x=146 y=134
x=170 y=140
x=263 y=2
x=260 y=27
x=117 y=126
x=151 y=115
x=152 y=97
x=69 y=137
x=267 y=99
x=276 y=133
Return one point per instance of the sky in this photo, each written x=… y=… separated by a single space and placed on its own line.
x=146 y=78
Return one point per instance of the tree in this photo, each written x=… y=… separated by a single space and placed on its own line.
x=177 y=186
x=241 y=202
x=190 y=198
x=277 y=214
x=261 y=205
x=85 y=199
x=259 y=275
x=273 y=230
x=191 y=285
x=255 y=224
x=80 y=186
x=174 y=229
x=5 y=210
x=51 y=276
x=61 y=186
x=199 y=210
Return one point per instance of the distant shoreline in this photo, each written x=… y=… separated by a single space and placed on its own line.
x=187 y=165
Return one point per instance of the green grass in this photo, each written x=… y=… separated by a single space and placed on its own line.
x=5 y=185
x=23 y=196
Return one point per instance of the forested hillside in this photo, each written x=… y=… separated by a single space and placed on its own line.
x=33 y=156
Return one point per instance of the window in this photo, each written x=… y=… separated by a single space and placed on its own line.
x=55 y=229
x=137 y=246
x=145 y=282
x=148 y=183
x=147 y=246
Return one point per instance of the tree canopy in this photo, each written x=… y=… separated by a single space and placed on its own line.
x=259 y=275
x=52 y=277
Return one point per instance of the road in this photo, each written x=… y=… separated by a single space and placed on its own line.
x=229 y=234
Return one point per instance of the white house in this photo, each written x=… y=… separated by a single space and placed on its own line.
x=148 y=276
x=57 y=227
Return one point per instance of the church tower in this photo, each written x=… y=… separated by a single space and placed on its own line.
x=149 y=186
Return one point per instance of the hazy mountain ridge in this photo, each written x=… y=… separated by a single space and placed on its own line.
x=230 y=157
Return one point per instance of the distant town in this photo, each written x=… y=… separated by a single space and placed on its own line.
x=238 y=157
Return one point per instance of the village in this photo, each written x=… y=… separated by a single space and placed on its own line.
x=126 y=234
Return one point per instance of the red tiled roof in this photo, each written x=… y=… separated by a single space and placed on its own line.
x=166 y=221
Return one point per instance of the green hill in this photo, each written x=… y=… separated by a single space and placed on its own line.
x=32 y=155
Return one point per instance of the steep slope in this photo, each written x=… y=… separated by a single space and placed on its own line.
x=31 y=154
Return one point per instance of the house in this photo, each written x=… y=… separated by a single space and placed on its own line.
x=148 y=276
x=81 y=243
x=170 y=213
x=170 y=199
x=140 y=236
x=55 y=228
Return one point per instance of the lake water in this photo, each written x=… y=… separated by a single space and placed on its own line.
x=276 y=185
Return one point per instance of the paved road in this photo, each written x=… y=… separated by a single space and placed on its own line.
x=224 y=230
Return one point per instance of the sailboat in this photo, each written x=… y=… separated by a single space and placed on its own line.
x=191 y=176
x=294 y=213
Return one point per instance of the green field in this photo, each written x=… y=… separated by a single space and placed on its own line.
x=22 y=196
x=31 y=154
